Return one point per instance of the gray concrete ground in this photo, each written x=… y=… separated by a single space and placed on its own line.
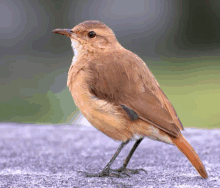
x=52 y=155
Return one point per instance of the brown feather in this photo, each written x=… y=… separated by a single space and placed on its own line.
x=125 y=79
x=190 y=153
x=118 y=94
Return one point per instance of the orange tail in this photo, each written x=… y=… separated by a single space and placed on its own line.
x=190 y=153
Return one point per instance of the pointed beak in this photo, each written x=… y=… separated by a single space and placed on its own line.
x=67 y=32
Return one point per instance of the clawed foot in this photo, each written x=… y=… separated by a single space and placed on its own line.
x=119 y=173
x=129 y=171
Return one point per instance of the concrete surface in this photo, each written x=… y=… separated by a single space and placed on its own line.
x=51 y=156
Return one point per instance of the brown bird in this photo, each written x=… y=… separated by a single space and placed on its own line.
x=118 y=94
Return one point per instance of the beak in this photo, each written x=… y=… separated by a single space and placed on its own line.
x=67 y=32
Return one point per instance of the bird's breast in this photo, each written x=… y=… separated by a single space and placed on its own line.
x=102 y=114
x=106 y=116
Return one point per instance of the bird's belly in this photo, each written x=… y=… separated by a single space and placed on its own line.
x=101 y=114
x=143 y=128
x=107 y=117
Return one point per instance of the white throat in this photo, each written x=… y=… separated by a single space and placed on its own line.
x=75 y=46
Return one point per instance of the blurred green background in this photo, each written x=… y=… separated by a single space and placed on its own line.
x=178 y=39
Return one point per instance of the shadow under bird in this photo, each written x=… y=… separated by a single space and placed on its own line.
x=118 y=94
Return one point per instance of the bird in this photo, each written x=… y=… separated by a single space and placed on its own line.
x=118 y=94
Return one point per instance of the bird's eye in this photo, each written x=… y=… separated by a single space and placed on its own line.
x=91 y=34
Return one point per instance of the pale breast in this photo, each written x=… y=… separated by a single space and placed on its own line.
x=104 y=115
x=100 y=113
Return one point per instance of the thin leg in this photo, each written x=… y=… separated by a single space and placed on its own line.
x=116 y=154
x=126 y=161
x=107 y=171
x=136 y=144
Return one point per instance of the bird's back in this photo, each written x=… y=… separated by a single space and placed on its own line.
x=101 y=85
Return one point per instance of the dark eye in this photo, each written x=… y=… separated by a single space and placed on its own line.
x=91 y=34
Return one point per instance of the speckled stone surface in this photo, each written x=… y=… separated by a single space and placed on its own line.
x=52 y=155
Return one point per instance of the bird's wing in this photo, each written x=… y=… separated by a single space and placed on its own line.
x=125 y=80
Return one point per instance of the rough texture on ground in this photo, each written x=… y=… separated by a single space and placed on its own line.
x=52 y=155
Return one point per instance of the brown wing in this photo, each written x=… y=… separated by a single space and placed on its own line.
x=124 y=79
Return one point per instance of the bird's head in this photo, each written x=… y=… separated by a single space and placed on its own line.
x=90 y=36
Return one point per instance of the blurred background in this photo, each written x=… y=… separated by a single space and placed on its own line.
x=178 y=39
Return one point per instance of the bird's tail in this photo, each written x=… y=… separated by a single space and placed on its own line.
x=190 y=153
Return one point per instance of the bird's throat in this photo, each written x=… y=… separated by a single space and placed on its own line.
x=75 y=46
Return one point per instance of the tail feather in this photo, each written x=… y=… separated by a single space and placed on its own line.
x=190 y=153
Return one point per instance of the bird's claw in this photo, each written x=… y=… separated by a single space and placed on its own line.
x=106 y=173
x=130 y=171
x=118 y=173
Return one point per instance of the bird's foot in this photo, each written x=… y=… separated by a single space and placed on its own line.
x=129 y=171
x=107 y=173
x=118 y=173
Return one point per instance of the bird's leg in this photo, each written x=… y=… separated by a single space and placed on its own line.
x=107 y=171
x=123 y=168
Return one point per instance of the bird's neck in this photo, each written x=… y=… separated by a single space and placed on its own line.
x=77 y=49
x=88 y=52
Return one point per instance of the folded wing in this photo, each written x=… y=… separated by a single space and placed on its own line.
x=127 y=81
